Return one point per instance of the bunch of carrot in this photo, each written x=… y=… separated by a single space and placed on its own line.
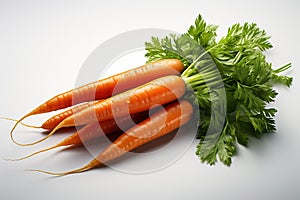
x=230 y=81
x=113 y=103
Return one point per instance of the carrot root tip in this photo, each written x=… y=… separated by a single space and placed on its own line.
x=38 y=141
x=22 y=123
x=30 y=155
x=45 y=172
x=85 y=168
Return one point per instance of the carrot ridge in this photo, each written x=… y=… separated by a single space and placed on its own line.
x=105 y=88
x=175 y=115
x=157 y=92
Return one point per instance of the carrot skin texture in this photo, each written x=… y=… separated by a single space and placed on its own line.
x=92 y=131
x=157 y=92
x=173 y=116
x=52 y=122
x=97 y=129
x=176 y=115
x=111 y=85
x=107 y=87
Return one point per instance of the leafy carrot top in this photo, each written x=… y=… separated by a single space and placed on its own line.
x=237 y=83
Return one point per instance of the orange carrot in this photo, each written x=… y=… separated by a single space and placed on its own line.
x=157 y=92
x=94 y=130
x=160 y=123
x=105 y=88
x=53 y=121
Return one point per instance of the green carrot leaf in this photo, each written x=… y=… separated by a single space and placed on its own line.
x=230 y=80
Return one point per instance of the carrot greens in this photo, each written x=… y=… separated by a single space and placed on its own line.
x=237 y=83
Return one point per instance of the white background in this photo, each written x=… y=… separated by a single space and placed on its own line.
x=43 y=45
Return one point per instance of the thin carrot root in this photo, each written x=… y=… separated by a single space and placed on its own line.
x=88 y=132
x=94 y=163
x=22 y=123
x=15 y=126
x=59 y=173
x=38 y=141
x=32 y=154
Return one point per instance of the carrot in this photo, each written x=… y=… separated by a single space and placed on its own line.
x=160 y=123
x=53 y=121
x=92 y=131
x=107 y=87
x=157 y=92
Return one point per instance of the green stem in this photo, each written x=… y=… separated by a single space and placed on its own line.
x=283 y=68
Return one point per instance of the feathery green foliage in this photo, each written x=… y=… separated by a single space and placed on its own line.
x=232 y=83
